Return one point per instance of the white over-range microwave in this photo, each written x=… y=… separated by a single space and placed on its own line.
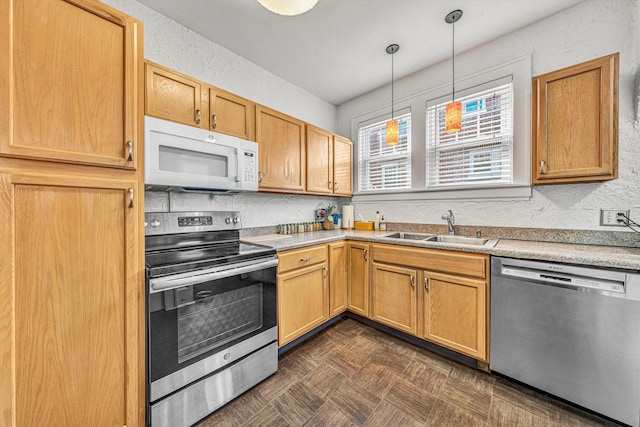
x=183 y=158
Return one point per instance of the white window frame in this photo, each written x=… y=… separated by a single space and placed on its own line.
x=520 y=71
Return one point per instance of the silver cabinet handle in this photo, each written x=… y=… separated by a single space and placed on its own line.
x=413 y=281
x=542 y=167
x=307 y=259
x=364 y=254
x=426 y=283
x=329 y=185
x=131 y=197
x=325 y=272
x=335 y=185
x=214 y=122
x=130 y=148
x=259 y=177
x=198 y=116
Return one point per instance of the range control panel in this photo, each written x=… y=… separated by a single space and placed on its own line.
x=185 y=222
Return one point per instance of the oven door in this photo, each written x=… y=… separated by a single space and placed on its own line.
x=202 y=321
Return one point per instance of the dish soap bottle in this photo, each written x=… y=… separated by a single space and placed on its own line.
x=376 y=221
x=383 y=223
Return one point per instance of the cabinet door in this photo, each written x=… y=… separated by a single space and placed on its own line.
x=337 y=278
x=303 y=297
x=71 y=302
x=231 y=114
x=342 y=154
x=358 y=295
x=69 y=82
x=394 y=297
x=575 y=123
x=454 y=313
x=281 y=141
x=319 y=161
x=175 y=97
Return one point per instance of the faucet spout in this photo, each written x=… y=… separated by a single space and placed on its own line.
x=451 y=221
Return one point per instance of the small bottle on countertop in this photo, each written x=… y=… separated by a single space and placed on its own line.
x=383 y=223
x=376 y=221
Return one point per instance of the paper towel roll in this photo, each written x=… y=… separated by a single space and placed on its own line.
x=347 y=216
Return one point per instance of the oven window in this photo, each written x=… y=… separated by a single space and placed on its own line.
x=214 y=320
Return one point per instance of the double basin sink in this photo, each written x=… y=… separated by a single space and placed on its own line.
x=449 y=239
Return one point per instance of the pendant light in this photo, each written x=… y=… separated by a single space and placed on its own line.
x=453 y=115
x=392 y=125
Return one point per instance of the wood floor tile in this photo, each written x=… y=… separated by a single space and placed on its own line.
x=329 y=415
x=466 y=397
x=435 y=361
x=347 y=362
x=324 y=381
x=271 y=388
x=374 y=378
x=412 y=400
x=268 y=417
x=298 y=404
x=387 y=415
x=478 y=379
x=506 y=414
x=355 y=402
x=300 y=364
x=424 y=377
x=521 y=396
x=446 y=414
x=388 y=359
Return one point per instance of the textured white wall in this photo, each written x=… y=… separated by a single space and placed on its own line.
x=589 y=30
x=171 y=44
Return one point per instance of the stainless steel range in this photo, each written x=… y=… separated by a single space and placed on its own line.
x=211 y=314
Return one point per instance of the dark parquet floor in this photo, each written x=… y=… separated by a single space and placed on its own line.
x=353 y=375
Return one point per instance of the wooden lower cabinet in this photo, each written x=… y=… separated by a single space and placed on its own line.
x=71 y=301
x=394 y=297
x=303 y=292
x=358 y=278
x=338 y=290
x=453 y=313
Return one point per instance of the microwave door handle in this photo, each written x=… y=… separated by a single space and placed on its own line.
x=165 y=283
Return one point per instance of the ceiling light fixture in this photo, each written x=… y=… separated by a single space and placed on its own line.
x=453 y=116
x=288 y=7
x=392 y=125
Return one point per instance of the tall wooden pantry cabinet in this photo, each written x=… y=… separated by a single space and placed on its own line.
x=71 y=205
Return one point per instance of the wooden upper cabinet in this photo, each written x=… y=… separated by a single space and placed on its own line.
x=342 y=155
x=575 y=123
x=173 y=96
x=231 y=114
x=69 y=82
x=282 y=151
x=319 y=160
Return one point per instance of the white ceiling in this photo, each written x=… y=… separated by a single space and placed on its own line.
x=337 y=50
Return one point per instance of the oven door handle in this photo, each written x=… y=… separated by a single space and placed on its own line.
x=171 y=282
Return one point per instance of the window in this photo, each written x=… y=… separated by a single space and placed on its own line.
x=383 y=167
x=482 y=152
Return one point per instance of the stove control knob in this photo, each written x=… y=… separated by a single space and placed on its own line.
x=227 y=220
x=155 y=223
x=236 y=220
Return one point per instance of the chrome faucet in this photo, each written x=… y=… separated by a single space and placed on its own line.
x=451 y=221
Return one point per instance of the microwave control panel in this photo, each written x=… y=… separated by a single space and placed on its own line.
x=250 y=166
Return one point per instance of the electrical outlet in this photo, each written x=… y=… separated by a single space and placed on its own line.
x=611 y=217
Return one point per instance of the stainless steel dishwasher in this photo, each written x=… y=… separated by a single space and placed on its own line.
x=571 y=331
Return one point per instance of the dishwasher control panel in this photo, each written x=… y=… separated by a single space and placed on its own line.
x=564 y=279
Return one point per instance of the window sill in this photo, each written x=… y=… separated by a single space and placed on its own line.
x=513 y=192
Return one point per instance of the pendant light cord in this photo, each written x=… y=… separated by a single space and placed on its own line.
x=453 y=62
x=392 y=85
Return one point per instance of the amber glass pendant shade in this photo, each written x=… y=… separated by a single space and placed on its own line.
x=453 y=117
x=392 y=132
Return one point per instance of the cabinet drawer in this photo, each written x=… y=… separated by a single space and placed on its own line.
x=473 y=265
x=304 y=257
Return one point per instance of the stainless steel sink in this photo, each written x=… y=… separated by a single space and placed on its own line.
x=453 y=240
x=408 y=236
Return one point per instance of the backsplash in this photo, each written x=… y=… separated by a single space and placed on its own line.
x=256 y=209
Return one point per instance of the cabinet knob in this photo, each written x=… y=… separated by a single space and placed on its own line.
x=198 y=116
x=542 y=171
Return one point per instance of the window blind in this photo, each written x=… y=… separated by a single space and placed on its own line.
x=482 y=152
x=383 y=167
